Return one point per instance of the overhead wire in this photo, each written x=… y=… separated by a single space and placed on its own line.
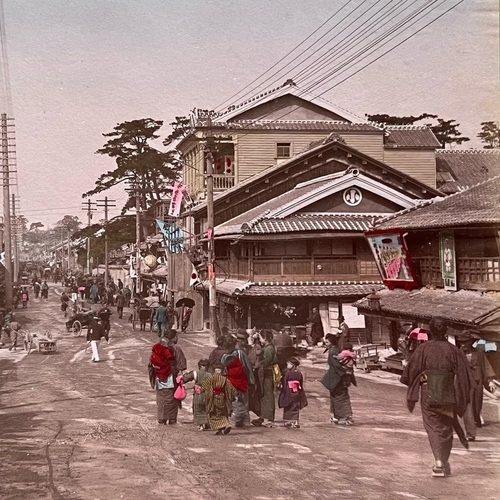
x=375 y=44
x=282 y=59
x=303 y=92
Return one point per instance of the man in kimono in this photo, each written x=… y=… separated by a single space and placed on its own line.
x=438 y=371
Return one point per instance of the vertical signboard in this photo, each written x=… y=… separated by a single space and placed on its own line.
x=447 y=258
x=392 y=258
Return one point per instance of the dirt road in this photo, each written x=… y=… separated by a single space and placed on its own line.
x=73 y=429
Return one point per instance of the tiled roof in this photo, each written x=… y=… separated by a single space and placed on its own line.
x=346 y=289
x=313 y=222
x=410 y=137
x=476 y=205
x=323 y=125
x=464 y=306
x=459 y=169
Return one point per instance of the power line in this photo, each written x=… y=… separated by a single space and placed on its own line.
x=282 y=59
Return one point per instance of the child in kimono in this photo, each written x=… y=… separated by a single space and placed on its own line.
x=220 y=395
x=292 y=397
x=199 y=398
x=347 y=359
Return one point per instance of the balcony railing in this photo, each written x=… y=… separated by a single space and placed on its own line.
x=472 y=272
x=299 y=269
x=223 y=182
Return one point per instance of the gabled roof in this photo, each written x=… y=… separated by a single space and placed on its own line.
x=478 y=205
x=289 y=212
x=459 y=169
x=288 y=88
x=410 y=137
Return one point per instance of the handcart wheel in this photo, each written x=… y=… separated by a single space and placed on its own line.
x=77 y=328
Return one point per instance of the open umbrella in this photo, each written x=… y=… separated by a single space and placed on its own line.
x=484 y=345
x=419 y=334
x=185 y=301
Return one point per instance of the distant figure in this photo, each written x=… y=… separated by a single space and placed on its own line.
x=12 y=329
x=317 y=331
x=120 y=302
x=25 y=297
x=104 y=314
x=36 y=289
x=74 y=292
x=438 y=372
x=120 y=284
x=161 y=318
x=94 y=293
x=45 y=291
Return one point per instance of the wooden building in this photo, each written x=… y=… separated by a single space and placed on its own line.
x=454 y=246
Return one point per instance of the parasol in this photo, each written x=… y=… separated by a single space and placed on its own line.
x=419 y=334
x=484 y=345
x=185 y=301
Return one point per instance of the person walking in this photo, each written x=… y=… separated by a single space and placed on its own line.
x=12 y=330
x=94 y=293
x=36 y=289
x=482 y=375
x=166 y=372
x=95 y=333
x=45 y=291
x=237 y=376
x=200 y=417
x=292 y=396
x=120 y=303
x=74 y=292
x=438 y=372
x=220 y=395
x=266 y=361
x=335 y=381
x=104 y=316
x=160 y=318
x=25 y=297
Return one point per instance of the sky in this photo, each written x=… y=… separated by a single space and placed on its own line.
x=79 y=67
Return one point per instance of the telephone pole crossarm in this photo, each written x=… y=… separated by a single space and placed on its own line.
x=106 y=204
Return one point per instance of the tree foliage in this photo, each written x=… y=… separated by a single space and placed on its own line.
x=144 y=167
x=490 y=135
x=70 y=222
x=446 y=131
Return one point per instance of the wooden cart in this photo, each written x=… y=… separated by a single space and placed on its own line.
x=367 y=356
x=42 y=342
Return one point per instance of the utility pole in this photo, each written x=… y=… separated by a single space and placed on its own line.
x=15 y=252
x=6 y=211
x=106 y=204
x=89 y=209
x=212 y=293
x=137 y=243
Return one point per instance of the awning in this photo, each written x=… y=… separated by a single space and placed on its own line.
x=292 y=289
x=464 y=308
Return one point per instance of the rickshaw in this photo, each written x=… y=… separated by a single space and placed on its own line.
x=79 y=321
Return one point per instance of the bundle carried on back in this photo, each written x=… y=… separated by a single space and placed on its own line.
x=160 y=363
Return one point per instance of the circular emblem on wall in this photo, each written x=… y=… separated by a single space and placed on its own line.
x=352 y=197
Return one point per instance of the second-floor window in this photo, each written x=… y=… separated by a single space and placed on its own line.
x=283 y=150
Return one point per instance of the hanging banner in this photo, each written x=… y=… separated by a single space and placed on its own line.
x=173 y=237
x=176 y=199
x=447 y=258
x=392 y=258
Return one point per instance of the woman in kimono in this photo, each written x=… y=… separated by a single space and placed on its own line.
x=335 y=381
x=292 y=396
x=199 y=398
x=441 y=365
x=220 y=395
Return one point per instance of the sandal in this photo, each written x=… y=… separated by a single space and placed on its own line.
x=218 y=432
x=269 y=424
x=226 y=430
x=438 y=472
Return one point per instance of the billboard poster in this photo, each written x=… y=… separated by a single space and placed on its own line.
x=447 y=258
x=392 y=258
